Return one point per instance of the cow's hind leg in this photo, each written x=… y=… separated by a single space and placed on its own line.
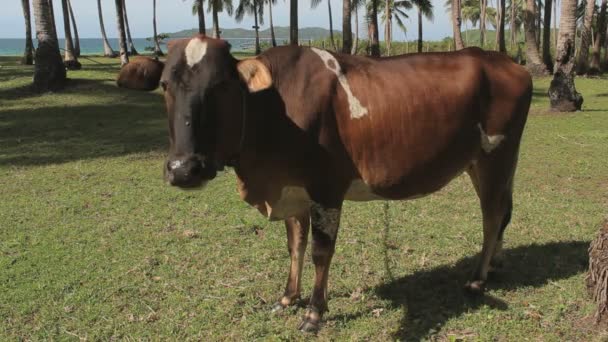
x=492 y=176
x=297 y=239
x=325 y=222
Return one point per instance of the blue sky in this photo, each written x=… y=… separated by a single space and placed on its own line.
x=175 y=15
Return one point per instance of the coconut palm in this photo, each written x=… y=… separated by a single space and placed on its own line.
x=122 y=39
x=594 y=67
x=76 y=38
x=272 y=35
x=372 y=28
x=49 y=71
x=215 y=7
x=454 y=6
x=157 y=50
x=314 y=4
x=582 y=60
x=425 y=8
x=534 y=63
x=500 y=32
x=355 y=5
x=70 y=60
x=28 y=54
x=394 y=10
x=293 y=22
x=132 y=50
x=199 y=10
x=255 y=8
x=562 y=92
x=347 y=36
x=547 y=35
x=107 y=49
x=516 y=19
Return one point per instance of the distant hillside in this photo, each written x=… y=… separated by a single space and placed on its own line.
x=280 y=32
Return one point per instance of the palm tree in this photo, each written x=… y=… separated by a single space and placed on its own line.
x=594 y=67
x=49 y=71
x=314 y=4
x=347 y=35
x=502 y=47
x=483 y=5
x=293 y=22
x=157 y=50
x=76 y=38
x=372 y=19
x=355 y=8
x=70 y=60
x=547 y=35
x=217 y=6
x=562 y=92
x=394 y=10
x=132 y=50
x=456 y=23
x=122 y=40
x=534 y=63
x=272 y=36
x=582 y=62
x=28 y=54
x=107 y=49
x=425 y=8
x=255 y=8
x=199 y=10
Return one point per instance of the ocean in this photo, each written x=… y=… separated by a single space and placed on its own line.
x=94 y=46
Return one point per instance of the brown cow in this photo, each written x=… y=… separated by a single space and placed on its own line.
x=306 y=129
x=141 y=73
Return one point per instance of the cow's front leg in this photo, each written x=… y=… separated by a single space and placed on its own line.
x=325 y=222
x=297 y=239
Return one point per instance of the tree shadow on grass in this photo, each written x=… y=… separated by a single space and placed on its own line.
x=127 y=122
x=430 y=298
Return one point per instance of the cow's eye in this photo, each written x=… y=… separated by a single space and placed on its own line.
x=163 y=85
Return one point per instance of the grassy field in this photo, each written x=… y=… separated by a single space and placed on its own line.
x=93 y=244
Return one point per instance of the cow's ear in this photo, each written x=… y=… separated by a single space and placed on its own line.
x=255 y=74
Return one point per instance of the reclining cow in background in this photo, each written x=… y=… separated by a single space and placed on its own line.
x=306 y=129
x=141 y=73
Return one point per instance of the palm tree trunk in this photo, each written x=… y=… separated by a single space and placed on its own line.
x=107 y=49
x=419 y=30
x=132 y=50
x=512 y=23
x=293 y=22
x=387 y=24
x=373 y=30
x=356 y=43
x=216 y=20
x=562 y=92
x=482 y=22
x=76 y=37
x=202 y=29
x=331 y=27
x=272 y=36
x=258 y=50
x=52 y=9
x=555 y=28
x=502 y=46
x=347 y=32
x=582 y=60
x=538 y=22
x=534 y=63
x=49 y=71
x=70 y=60
x=595 y=67
x=157 y=49
x=456 y=22
x=122 y=39
x=547 y=35
x=28 y=54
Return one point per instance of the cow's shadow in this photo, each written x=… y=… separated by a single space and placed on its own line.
x=429 y=298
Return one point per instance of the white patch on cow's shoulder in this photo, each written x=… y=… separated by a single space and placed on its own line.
x=331 y=63
x=294 y=200
x=489 y=142
x=195 y=51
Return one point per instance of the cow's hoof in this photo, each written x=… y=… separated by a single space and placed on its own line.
x=475 y=287
x=310 y=321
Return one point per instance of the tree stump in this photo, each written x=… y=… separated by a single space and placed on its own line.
x=597 y=278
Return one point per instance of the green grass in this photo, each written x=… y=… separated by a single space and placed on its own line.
x=94 y=245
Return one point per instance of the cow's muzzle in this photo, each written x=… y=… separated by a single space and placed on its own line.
x=189 y=172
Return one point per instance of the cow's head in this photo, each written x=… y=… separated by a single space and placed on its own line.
x=204 y=88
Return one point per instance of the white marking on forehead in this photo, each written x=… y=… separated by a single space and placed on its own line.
x=195 y=51
x=357 y=110
x=489 y=142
